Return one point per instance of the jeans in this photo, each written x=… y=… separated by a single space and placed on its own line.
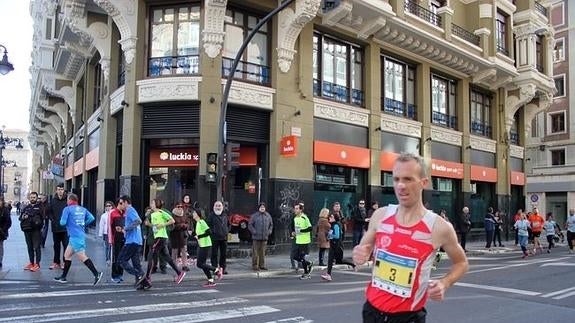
x=1 y=251
x=107 y=247
x=463 y=239
x=33 y=242
x=45 y=228
x=357 y=234
x=488 y=238
x=258 y=253
x=60 y=244
x=117 y=270
x=523 y=243
x=131 y=252
x=219 y=247
x=497 y=237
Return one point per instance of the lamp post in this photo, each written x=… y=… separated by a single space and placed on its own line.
x=4 y=142
x=224 y=107
x=5 y=66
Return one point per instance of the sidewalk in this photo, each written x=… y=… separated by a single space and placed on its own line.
x=16 y=257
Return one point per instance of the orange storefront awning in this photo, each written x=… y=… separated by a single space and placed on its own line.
x=337 y=154
x=483 y=174
x=517 y=178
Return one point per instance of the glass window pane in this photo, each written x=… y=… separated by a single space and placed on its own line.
x=315 y=57
x=188 y=38
x=252 y=22
x=162 y=40
x=183 y=13
x=328 y=62
x=195 y=13
x=233 y=40
x=341 y=73
x=169 y=15
x=257 y=50
x=158 y=14
x=239 y=18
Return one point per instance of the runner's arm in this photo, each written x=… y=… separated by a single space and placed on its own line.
x=449 y=243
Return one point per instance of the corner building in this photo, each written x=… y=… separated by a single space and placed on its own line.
x=126 y=95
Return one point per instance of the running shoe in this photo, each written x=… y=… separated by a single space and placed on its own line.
x=61 y=279
x=305 y=276
x=326 y=276
x=209 y=284
x=310 y=267
x=98 y=278
x=139 y=280
x=180 y=277
x=219 y=273
x=28 y=266
x=54 y=266
x=35 y=268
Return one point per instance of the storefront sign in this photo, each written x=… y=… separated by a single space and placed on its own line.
x=483 y=174
x=92 y=159
x=69 y=172
x=174 y=157
x=387 y=159
x=517 y=178
x=79 y=167
x=336 y=154
x=288 y=146
x=443 y=168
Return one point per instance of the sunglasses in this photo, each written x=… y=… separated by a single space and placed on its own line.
x=108 y=205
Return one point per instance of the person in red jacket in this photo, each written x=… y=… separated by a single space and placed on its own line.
x=536 y=221
x=116 y=239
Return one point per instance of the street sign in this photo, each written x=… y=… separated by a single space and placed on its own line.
x=534 y=198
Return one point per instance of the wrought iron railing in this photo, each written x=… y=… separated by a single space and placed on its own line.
x=540 y=8
x=481 y=129
x=168 y=65
x=399 y=108
x=465 y=34
x=338 y=93
x=514 y=137
x=247 y=71
x=444 y=119
x=421 y=12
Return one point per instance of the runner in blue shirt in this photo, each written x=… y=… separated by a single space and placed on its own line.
x=133 y=234
x=75 y=218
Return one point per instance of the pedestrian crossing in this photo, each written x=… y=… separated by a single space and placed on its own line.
x=124 y=304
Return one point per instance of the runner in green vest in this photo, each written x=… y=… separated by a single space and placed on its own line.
x=202 y=233
x=302 y=234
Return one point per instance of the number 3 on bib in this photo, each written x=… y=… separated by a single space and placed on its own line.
x=394 y=273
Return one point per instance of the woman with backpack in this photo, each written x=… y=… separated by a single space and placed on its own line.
x=335 y=236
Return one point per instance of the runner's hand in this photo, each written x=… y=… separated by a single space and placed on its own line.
x=361 y=254
x=436 y=290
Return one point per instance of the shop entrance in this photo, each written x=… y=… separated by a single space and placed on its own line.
x=170 y=184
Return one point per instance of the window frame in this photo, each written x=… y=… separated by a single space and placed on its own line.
x=501 y=32
x=556 y=78
x=550 y=122
x=450 y=111
x=407 y=68
x=351 y=48
x=485 y=111
x=551 y=157
x=561 y=57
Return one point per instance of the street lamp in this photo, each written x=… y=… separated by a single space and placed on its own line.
x=5 y=66
x=7 y=141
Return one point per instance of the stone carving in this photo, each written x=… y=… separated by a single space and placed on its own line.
x=123 y=12
x=129 y=48
x=251 y=95
x=513 y=103
x=341 y=113
x=213 y=33
x=290 y=25
x=516 y=151
x=168 y=89
x=447 y=136
x=400 y=126
x=482 y=144
x=116 y=100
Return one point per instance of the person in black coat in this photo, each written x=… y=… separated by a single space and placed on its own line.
x=219 y=227
x=59 y=232
x=5 y=224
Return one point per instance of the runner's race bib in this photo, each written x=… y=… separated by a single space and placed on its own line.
x=393 y=273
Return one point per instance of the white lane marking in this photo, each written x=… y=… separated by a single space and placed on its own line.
x=564 y=295
x=211 y=316
x=558 y=292
x=93 y=313
x=499 y=289
x=201 y=291
x=297 y=319
x=560 y=264
x=63 y=293
x=523 y=263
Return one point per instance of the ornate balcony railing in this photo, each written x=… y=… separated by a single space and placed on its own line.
x=481 y=129
x=464 y=34
x=443 y=119
x=514 y=137
x=247 y=71
x=169 y=65
x=540 y=8
x=337 y=92
x=399 y=108
x=421 y=12
x=502 y=49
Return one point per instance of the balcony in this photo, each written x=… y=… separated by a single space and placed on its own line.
x=479 y=128
x=421 y=12
x=443 y=119
x=399 y=108
x=250 y=72
x=539 y=8
x=464 y=34
x=337 y=92
x=170 y=65
x=514 y=137
x=502 y=49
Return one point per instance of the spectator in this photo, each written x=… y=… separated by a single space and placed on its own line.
x=260 y=226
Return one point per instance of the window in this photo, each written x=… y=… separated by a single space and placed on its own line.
x=539 y=54
x=398 y=88
x=337 y=70
x=442 y=184
x=254 y=65
x=501 y=33
x=559 y=51
x=558 y=157
x=121 y=68
x=48 y=29
x=536 y=125
x=560 y=86
x=557 y=122
x=175 y=40
x=386 y=179
x=98 y=85
x=480 y=113
x=443 y=95
x=514 y=133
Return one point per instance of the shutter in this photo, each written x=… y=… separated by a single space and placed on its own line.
x=171 y=121
x=248 y=125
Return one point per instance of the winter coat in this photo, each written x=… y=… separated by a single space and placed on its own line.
x=489 y=222
x=5 y=222
x=31 y=218
x=323 y=228
x=55 y=209
x=260 y=225
x=218 y=226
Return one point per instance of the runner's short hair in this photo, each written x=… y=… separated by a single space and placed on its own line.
x=406 y=157
x=73 y=197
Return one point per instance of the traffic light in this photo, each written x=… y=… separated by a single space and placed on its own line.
x=212 y=167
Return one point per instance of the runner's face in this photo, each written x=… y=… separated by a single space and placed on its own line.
x=407 y=183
